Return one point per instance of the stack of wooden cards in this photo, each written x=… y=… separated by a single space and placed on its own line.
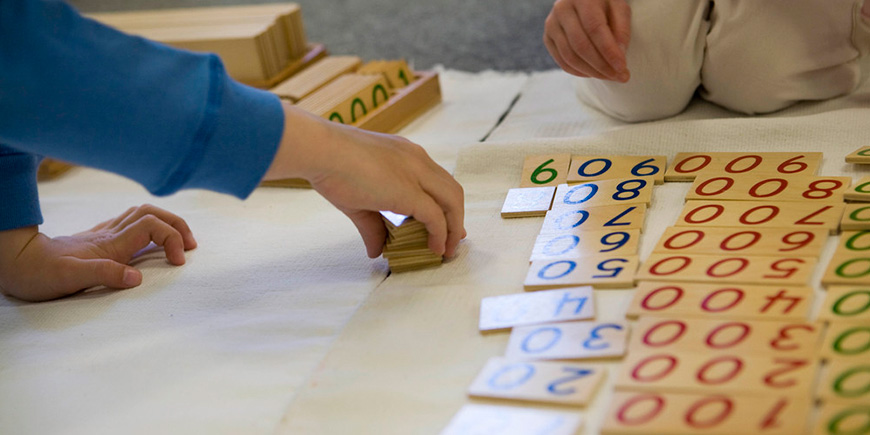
x=315 y=77
x=348 y=98
x=397 y=72
x=256 y=42
x=407 y=244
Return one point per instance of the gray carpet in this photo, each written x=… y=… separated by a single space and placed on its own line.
x=470 y=35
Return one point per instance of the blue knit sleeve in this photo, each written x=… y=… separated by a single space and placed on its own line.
x=19 y=206
x=82 y=92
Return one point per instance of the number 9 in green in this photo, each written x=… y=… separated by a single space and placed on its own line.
x=536 y=174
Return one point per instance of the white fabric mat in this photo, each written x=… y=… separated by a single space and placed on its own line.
x=473 y=104
x=408 y=355
x=548 y=107
x=221 y=344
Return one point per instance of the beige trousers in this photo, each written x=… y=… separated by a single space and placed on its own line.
x=750 y=56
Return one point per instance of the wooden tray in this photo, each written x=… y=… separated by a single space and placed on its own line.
x=315 y=53
x=406 y=105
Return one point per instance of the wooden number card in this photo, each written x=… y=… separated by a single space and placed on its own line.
x=755 y=214
x=686 y=166
x=725 y=374
x=849 y=341
x=859 y=191
x=728 y=269
x=609 y=217
x=856 y=217
x=691 y=414
x=572 y=340
x=846 y=304
x=527 y=202
x=716 y=187
x=396 y=72
x=480 y=419
x=547 y=170
x=736 y=337
x=564 y=246
x=861 y=156
x=850 y=264
x=743 y=241
x=604 y=192
x=843 y=418
x=845 y=381
x=597 y=271
x=502 y=312
x=737 y=302
x=534 y=381
x=594 y=168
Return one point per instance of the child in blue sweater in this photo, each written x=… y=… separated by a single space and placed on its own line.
x=76 y=90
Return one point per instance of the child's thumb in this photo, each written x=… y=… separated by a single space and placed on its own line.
x=91 y=273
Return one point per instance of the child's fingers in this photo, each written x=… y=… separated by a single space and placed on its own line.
x=80 y=274
x=427 y=211
x=602 y=51
x=619 y=16
x=449 y=195
x=571 y=57
x=114 y=223
x=554 y=53
x=584 y=29
x=170 y=218
x=147 y=229
x=371 y=228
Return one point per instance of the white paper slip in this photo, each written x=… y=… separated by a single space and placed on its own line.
x=547 y=306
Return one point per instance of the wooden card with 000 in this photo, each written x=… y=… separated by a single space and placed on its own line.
x=728 y=269
x=717 y=187
x=740 y=375
x=717 y=336
x=758 y=214
x=784 y=242
x=666 y=413
x=726 y=301
x=686 y=166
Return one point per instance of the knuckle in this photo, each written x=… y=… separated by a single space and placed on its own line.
x=596 y=28
x=149 y=220
x=561 y=6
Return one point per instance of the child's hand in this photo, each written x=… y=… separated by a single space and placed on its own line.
x=34 y=267
x=588 y=38
x=361 y=172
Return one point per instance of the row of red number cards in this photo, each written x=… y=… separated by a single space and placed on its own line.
x=720 y=341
